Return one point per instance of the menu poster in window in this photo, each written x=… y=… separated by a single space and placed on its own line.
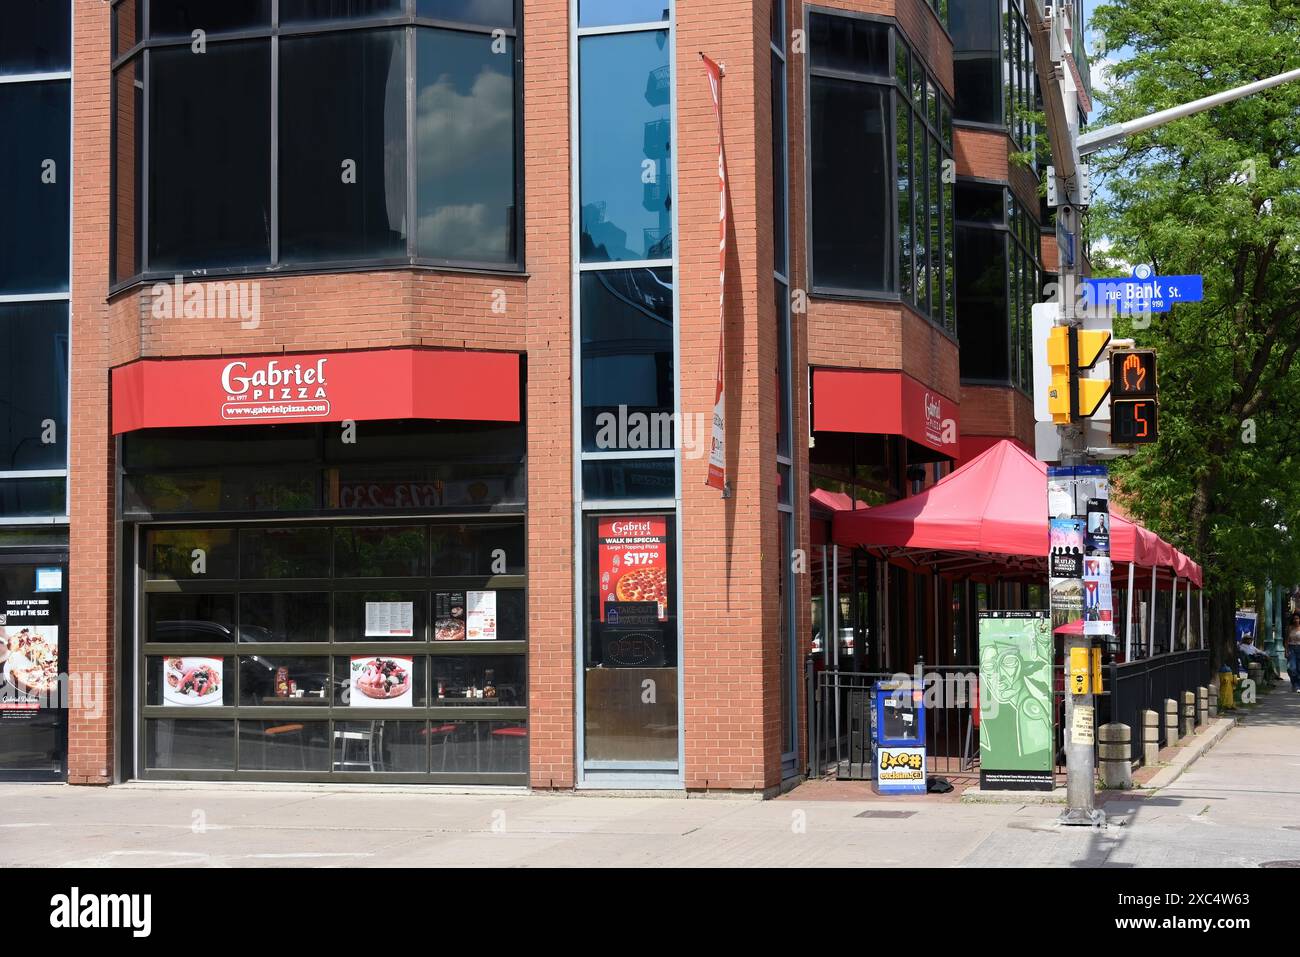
x=390 y=619
x=449 y=616
x=193 y=682
x=481 y=615
x=29 y=655
x=381 y=681
x=633 y=561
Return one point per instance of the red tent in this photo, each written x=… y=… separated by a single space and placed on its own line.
x=993 y=508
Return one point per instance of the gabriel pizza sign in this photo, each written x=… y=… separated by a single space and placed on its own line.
x=633 y=563
x=361 y=385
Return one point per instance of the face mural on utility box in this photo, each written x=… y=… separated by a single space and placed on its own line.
x=1016 y=693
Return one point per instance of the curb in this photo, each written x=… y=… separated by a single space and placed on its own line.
x=1187 y=756
x=977 y=796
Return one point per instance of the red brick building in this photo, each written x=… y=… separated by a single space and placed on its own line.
x=394 y=331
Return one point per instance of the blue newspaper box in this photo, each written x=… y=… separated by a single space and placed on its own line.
x=898 y=739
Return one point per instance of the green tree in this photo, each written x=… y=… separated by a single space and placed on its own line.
x=1216 y=194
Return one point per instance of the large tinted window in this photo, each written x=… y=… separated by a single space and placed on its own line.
x=302 y=11
x=627 y=359
x=35 y=38
x=847 y=43
x=977 y=61
x=852 y=170
x=210 y=156
x=35 y=171
x=180 y=18
x=34 y=386
x=465 y=147
x=981 y=289
x=626 y=134
x=343 y=146
x=487 y=13
x=354 y=137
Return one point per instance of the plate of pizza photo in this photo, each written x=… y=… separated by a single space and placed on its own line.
x=31 y=658
x=193 y=682
x=381 y=681
x=644 y=584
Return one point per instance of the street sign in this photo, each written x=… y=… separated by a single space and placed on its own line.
x=1143 y=292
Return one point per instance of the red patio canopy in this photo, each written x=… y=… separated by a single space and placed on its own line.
x=995 y=508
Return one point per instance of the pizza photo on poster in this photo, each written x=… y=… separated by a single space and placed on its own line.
x=192 y=682
x=29 y=657
x=382 y=681
x=633 y=562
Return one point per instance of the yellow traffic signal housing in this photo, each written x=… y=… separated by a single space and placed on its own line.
x=1070 y=351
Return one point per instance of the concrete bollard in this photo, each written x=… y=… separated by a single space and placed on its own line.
x=1213 y=699
x=1202 y=706
x=1171 y=722
x=1150 y=738
x=1115 y=756
x=1189 y=714
x=1256 y=672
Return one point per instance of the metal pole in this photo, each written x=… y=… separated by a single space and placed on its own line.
x=1110 y=135
x=1187 y=616
x=1173 y=619
x=1200 y=600
x=1128 y=618
x=1151 y=615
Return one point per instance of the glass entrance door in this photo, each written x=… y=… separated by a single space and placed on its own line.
x=35 y=686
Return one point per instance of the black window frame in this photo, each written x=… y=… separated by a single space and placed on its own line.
x=410 y=22
x=900 y=44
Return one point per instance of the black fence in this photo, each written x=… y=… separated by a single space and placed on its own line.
x=839 y=710
x=1145 y=685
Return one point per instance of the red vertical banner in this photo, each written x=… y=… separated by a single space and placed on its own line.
x=718 y=449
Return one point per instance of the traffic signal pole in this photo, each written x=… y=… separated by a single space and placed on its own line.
x=1052 y=55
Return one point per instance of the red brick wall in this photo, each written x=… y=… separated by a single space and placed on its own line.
x=729 y=559
x=550 y=395
x=90 y=468
x=997 y=410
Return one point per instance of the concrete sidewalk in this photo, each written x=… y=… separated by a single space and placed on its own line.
x=1239 y=805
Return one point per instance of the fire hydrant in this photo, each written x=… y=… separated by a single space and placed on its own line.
x=1227 y=691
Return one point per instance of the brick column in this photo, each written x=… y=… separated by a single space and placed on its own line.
x=90 y=462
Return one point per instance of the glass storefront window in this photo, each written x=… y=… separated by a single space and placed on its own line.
x=630 y=638
x=284 y=616
x=191 y=553
x=308 y=643
x=380 y=551
x=189 y=745
x=378 y=746
x=380 y=616
x=625 y=141
x=278 y=745
x=478 y=680
x=279 y=552
x=191 y=619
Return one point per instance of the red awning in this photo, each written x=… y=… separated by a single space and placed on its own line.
x=994 y=506
x=320 y=387
x=869 y=401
